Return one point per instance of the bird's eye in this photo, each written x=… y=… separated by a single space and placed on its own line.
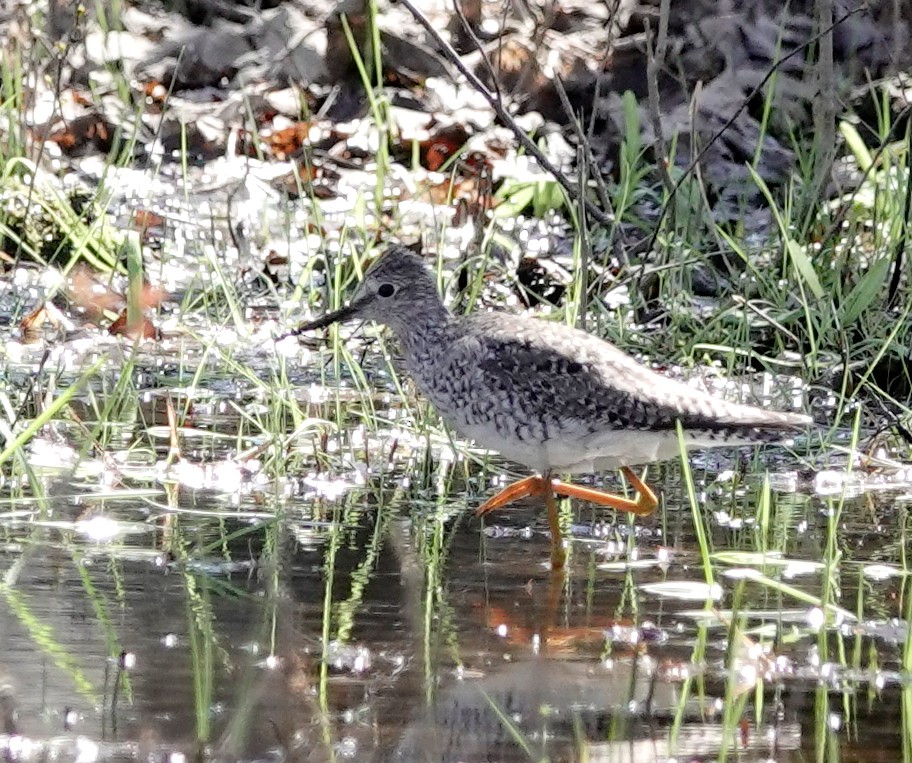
x=386 y=290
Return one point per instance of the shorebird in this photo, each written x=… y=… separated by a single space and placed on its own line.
x=544 y=394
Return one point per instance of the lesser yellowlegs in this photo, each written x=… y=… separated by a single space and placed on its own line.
x=545 y=394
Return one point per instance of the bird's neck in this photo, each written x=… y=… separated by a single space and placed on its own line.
x=423 y=333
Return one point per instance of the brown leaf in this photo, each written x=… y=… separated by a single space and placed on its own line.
x=144 y=330
x=289 y=141
x=85 y=132
x=155 y=90
x=151 y=296
x=45 y=316
x=442 y=145
x=88 y=293
x=147 y=223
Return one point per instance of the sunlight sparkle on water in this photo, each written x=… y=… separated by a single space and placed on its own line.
x=816 y=618
x=17 y=747
x=880 y=571
x=289 y=347
x=685 y=590
x=86 y=750
x=348 y=747
x=747 y=675
x=331 y=489
x=627 y=634
x=99 y=529
x=45 y=454
x=272 y=662
x=833 y=482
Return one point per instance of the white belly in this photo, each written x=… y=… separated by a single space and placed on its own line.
x=592 y=453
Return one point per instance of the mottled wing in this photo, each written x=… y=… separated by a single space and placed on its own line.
x=562 y=376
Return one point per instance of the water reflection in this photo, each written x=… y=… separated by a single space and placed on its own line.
x=387 y=626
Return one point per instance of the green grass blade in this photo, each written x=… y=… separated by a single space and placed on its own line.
x=52 y=410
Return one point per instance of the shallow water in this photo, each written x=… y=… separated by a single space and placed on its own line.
x=392 y=625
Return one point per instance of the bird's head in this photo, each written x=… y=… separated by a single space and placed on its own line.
x=398 y=290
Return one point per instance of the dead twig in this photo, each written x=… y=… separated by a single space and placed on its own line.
x=655 y=61
x=825 y=103
x=584 y=144
x=900 y=247
x=470 y=33
x=497 y=104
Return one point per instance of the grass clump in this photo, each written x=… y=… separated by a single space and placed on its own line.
x=45 y=226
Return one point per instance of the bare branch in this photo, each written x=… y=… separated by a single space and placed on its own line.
x=527 y=143
x=655 y=62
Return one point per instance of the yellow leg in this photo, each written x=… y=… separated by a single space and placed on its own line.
x=645 y=502
x=558 y=552
x=531 y=487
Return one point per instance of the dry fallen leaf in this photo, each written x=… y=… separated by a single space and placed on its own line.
x=144 y=330
x=83 y=133
x=48 y=315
